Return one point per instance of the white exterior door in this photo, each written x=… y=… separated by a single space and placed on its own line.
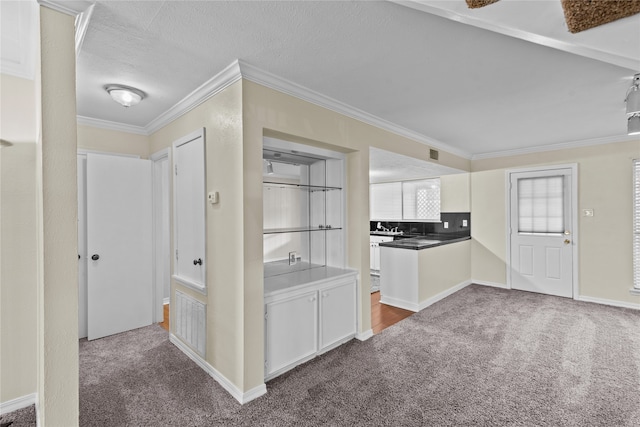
x=119 y=244
x=541 y=230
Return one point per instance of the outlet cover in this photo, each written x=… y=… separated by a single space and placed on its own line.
x=465 y=223
x=446 y=224
x=587 y=212
x=292 y=258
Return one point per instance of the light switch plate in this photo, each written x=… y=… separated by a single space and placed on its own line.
x=587 y=212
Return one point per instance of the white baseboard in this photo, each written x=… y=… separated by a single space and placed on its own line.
x=492 y=284
x=396 y=302
x=18 y=403
x=442 y=295
x=166 y=300
x=613 y=303
x=363 y=336
x=239 y=395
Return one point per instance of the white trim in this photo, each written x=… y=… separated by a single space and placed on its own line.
x=82 y=23
x=610 y=302
x=586 y=51
x=166 y=301
x=72 y=8
x=232 y=389
x=188 y=283
x=363 y=336
x=406 y=305
x=555 y=147
x=83 y=153
x=442 y=295
x=158 y=189
x=106 y=124
x=18 y=403
x=574 y=218
x=634 y=291
x=208 y=89
x=264 y=78
x=491 y=284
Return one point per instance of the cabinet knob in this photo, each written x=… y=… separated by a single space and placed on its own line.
x=311 y=299
x=95 y=257
x=197 y=261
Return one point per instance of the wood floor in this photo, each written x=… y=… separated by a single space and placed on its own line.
x=382 y=316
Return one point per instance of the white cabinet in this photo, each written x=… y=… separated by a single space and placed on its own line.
x=385 y=201
x=292 y=330
x=306 y=320
x=337 y=314
x=374 y=252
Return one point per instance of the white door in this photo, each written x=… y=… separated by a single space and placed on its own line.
x=119 y=244
x=541 y=231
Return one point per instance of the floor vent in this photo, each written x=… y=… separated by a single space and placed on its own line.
x=190 y=318
x=433 y=154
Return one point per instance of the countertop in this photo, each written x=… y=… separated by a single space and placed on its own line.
x=424 y=242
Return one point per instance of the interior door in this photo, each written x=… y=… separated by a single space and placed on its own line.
x=119 y=244
x=541 y=231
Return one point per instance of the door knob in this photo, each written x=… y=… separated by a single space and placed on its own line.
x=197 y=261
x=567 y=241
x=95 y=257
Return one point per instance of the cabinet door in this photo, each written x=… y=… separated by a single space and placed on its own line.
x=376 y=256
x=337 y=313
x=372 y=264
x=291 y=331
x=385 y=201
x=189 y=210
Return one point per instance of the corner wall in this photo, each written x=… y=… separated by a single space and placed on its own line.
x=604 y=240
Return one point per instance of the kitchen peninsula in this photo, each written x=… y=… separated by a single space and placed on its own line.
x=417 y=270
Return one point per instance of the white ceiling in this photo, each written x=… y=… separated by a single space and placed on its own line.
x=502 y=78
x=385 y=166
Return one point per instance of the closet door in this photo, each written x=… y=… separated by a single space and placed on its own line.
x=119 y=244
x=189 y=210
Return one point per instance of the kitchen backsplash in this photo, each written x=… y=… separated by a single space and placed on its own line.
x=455 y=220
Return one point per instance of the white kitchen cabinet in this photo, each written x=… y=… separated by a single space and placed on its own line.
x=314 y=315
x=374 y=261
x=291 y=326
x=385 y=201
x=337 y=314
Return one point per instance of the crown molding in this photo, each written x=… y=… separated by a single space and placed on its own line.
x=68 y=7
x=272 y=81
x=556 y=147
x=82 y=24
x=106 y=124
x=210 y=88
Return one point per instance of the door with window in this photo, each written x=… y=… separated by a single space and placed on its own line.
x=541 y=239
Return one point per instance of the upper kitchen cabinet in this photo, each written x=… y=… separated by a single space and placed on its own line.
x=407 y=200
x=455 y=193
x=385 y=201
x=302 y=211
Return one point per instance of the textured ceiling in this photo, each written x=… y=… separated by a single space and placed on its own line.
x=385 y=166
x=477 y=90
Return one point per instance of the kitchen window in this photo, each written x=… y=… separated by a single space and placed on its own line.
x=636 y=227
x=421 y=199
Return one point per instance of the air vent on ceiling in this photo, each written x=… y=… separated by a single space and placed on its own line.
x=433 y=154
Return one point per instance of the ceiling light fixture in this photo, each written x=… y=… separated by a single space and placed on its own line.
x=125 y=95
x=633 y=106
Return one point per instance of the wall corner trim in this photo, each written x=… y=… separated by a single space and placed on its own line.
x=232 y=389
x=18 y=403
x=363 y=336
x=634 y=291
x=442 y=295
x=71 y=8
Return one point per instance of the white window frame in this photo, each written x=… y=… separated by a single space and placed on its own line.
x=635 y=290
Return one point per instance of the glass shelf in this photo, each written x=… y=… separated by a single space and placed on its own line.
x=298 y=229
x=273 y=184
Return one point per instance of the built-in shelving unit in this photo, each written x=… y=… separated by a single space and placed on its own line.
x=310 y=298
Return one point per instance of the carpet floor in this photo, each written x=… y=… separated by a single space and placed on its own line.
x=480 y=357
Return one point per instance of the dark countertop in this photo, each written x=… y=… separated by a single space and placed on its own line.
x=426 y=241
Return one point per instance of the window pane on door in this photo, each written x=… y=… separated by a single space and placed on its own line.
x=541 y=205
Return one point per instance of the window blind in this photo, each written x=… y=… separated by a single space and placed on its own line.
x=636 y=224
x=541 y=205
x=421 y=199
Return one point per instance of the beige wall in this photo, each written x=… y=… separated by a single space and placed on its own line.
x=57 y=225
x=221 y=116
x=17 y=273
x=604 y=185
x=455 y=193
x=112 y=141
x=442 y=268
x=18 y=308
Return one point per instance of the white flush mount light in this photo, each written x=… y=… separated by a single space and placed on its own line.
x=125 y=95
